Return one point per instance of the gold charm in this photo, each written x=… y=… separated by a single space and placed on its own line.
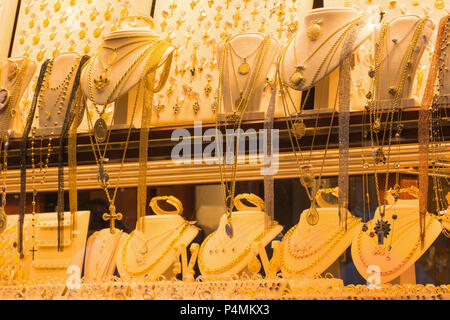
x=254 y=266
x=57 y=6
x=439 y=4
x=4 y=98
x=297 y=78
x=298 y=129
x=101 y=81
x=244 y=68
x=100 y=130
x=314 y=31
x=312 y=217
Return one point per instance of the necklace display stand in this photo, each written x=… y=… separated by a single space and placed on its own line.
x=121 y=49
x=309 y=250
x=238 y=70
x=221 y=256
x=399 y=34
x=61 y=83
x=157 y=246
x=11 y=71
x=42 y=258
x=101 y=254
x=405 y=244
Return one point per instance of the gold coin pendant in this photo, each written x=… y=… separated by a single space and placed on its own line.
x=314 y=31
x=100 y=130
x=297 y=78
x=244 y=69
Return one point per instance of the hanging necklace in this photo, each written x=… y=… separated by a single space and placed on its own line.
x=9 y=111
x=229 y=188
x=306 y=176
x=238 y=101
x=244 y=68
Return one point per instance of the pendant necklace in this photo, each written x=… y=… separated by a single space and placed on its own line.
x=245 y=68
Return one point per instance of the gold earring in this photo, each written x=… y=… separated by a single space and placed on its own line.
x=46 y=21
x=43 y=5
x=82 y=33
x=41 y=54
x=56 y=51
x=57 y=6
x=87 y=48
x=98 y=31
x=31 y=22
x=93 y=14
x=53 y=34
x=108 y=14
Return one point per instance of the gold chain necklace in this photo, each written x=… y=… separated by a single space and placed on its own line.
x=158 y=260
x=229 y=191
x=239 y=258
x=244 y=67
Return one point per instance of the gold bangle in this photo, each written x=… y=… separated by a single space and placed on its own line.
x=250 y=197
x=322 y=202
x=170 y=200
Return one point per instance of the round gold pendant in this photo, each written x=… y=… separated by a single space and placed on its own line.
x=100 y=130
x=314 y=31
x=4 y=98
x=439 y=4
x=297 y=78
x=244 y=69
x=307 y=179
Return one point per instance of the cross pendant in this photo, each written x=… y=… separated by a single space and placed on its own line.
x=112 y=216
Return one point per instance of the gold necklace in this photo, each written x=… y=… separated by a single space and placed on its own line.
x=238 y=101
x=297 y=77
x=306 y=176
x=244 y=68
x=103 y=177
x=157 y=260
x=204 y=269
x=103 y=80
x=227 y=190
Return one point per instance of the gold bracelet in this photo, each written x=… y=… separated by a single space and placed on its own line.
x=170 y=200
x=250 y=197
x=322 y=202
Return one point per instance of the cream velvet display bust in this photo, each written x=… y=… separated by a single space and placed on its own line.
x=221 y=256
x=399 y=35
x=150 y=251
x=401 y=248
x=56 y=92
x=16 y=76
x=119 y=65
x=309 y=250
x=240 y=65
x=316 y=49
x=101 y=254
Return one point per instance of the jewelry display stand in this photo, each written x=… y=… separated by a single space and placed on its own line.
x=47 y=260
x=11 y=70
x=101 y=254
x=108 y=79
x=308 y=50
x=405 y=247
x=61 y=82
x=399 y=34
x=151 y=252
x=221 y=256
x=309 y=250
x=238 y=70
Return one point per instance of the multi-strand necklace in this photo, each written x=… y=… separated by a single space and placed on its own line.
x=235 y=121
x=295 y=125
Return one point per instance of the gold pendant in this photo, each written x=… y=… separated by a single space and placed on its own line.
x=4 y=98
x=307 y=178
x=100 y=130
x=244 y=68
x=312 y=217
x=101 y=81
x=297 y=78
x=298 y=129
x=314 y=31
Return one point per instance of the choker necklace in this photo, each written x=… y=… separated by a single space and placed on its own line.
x=103 y=80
